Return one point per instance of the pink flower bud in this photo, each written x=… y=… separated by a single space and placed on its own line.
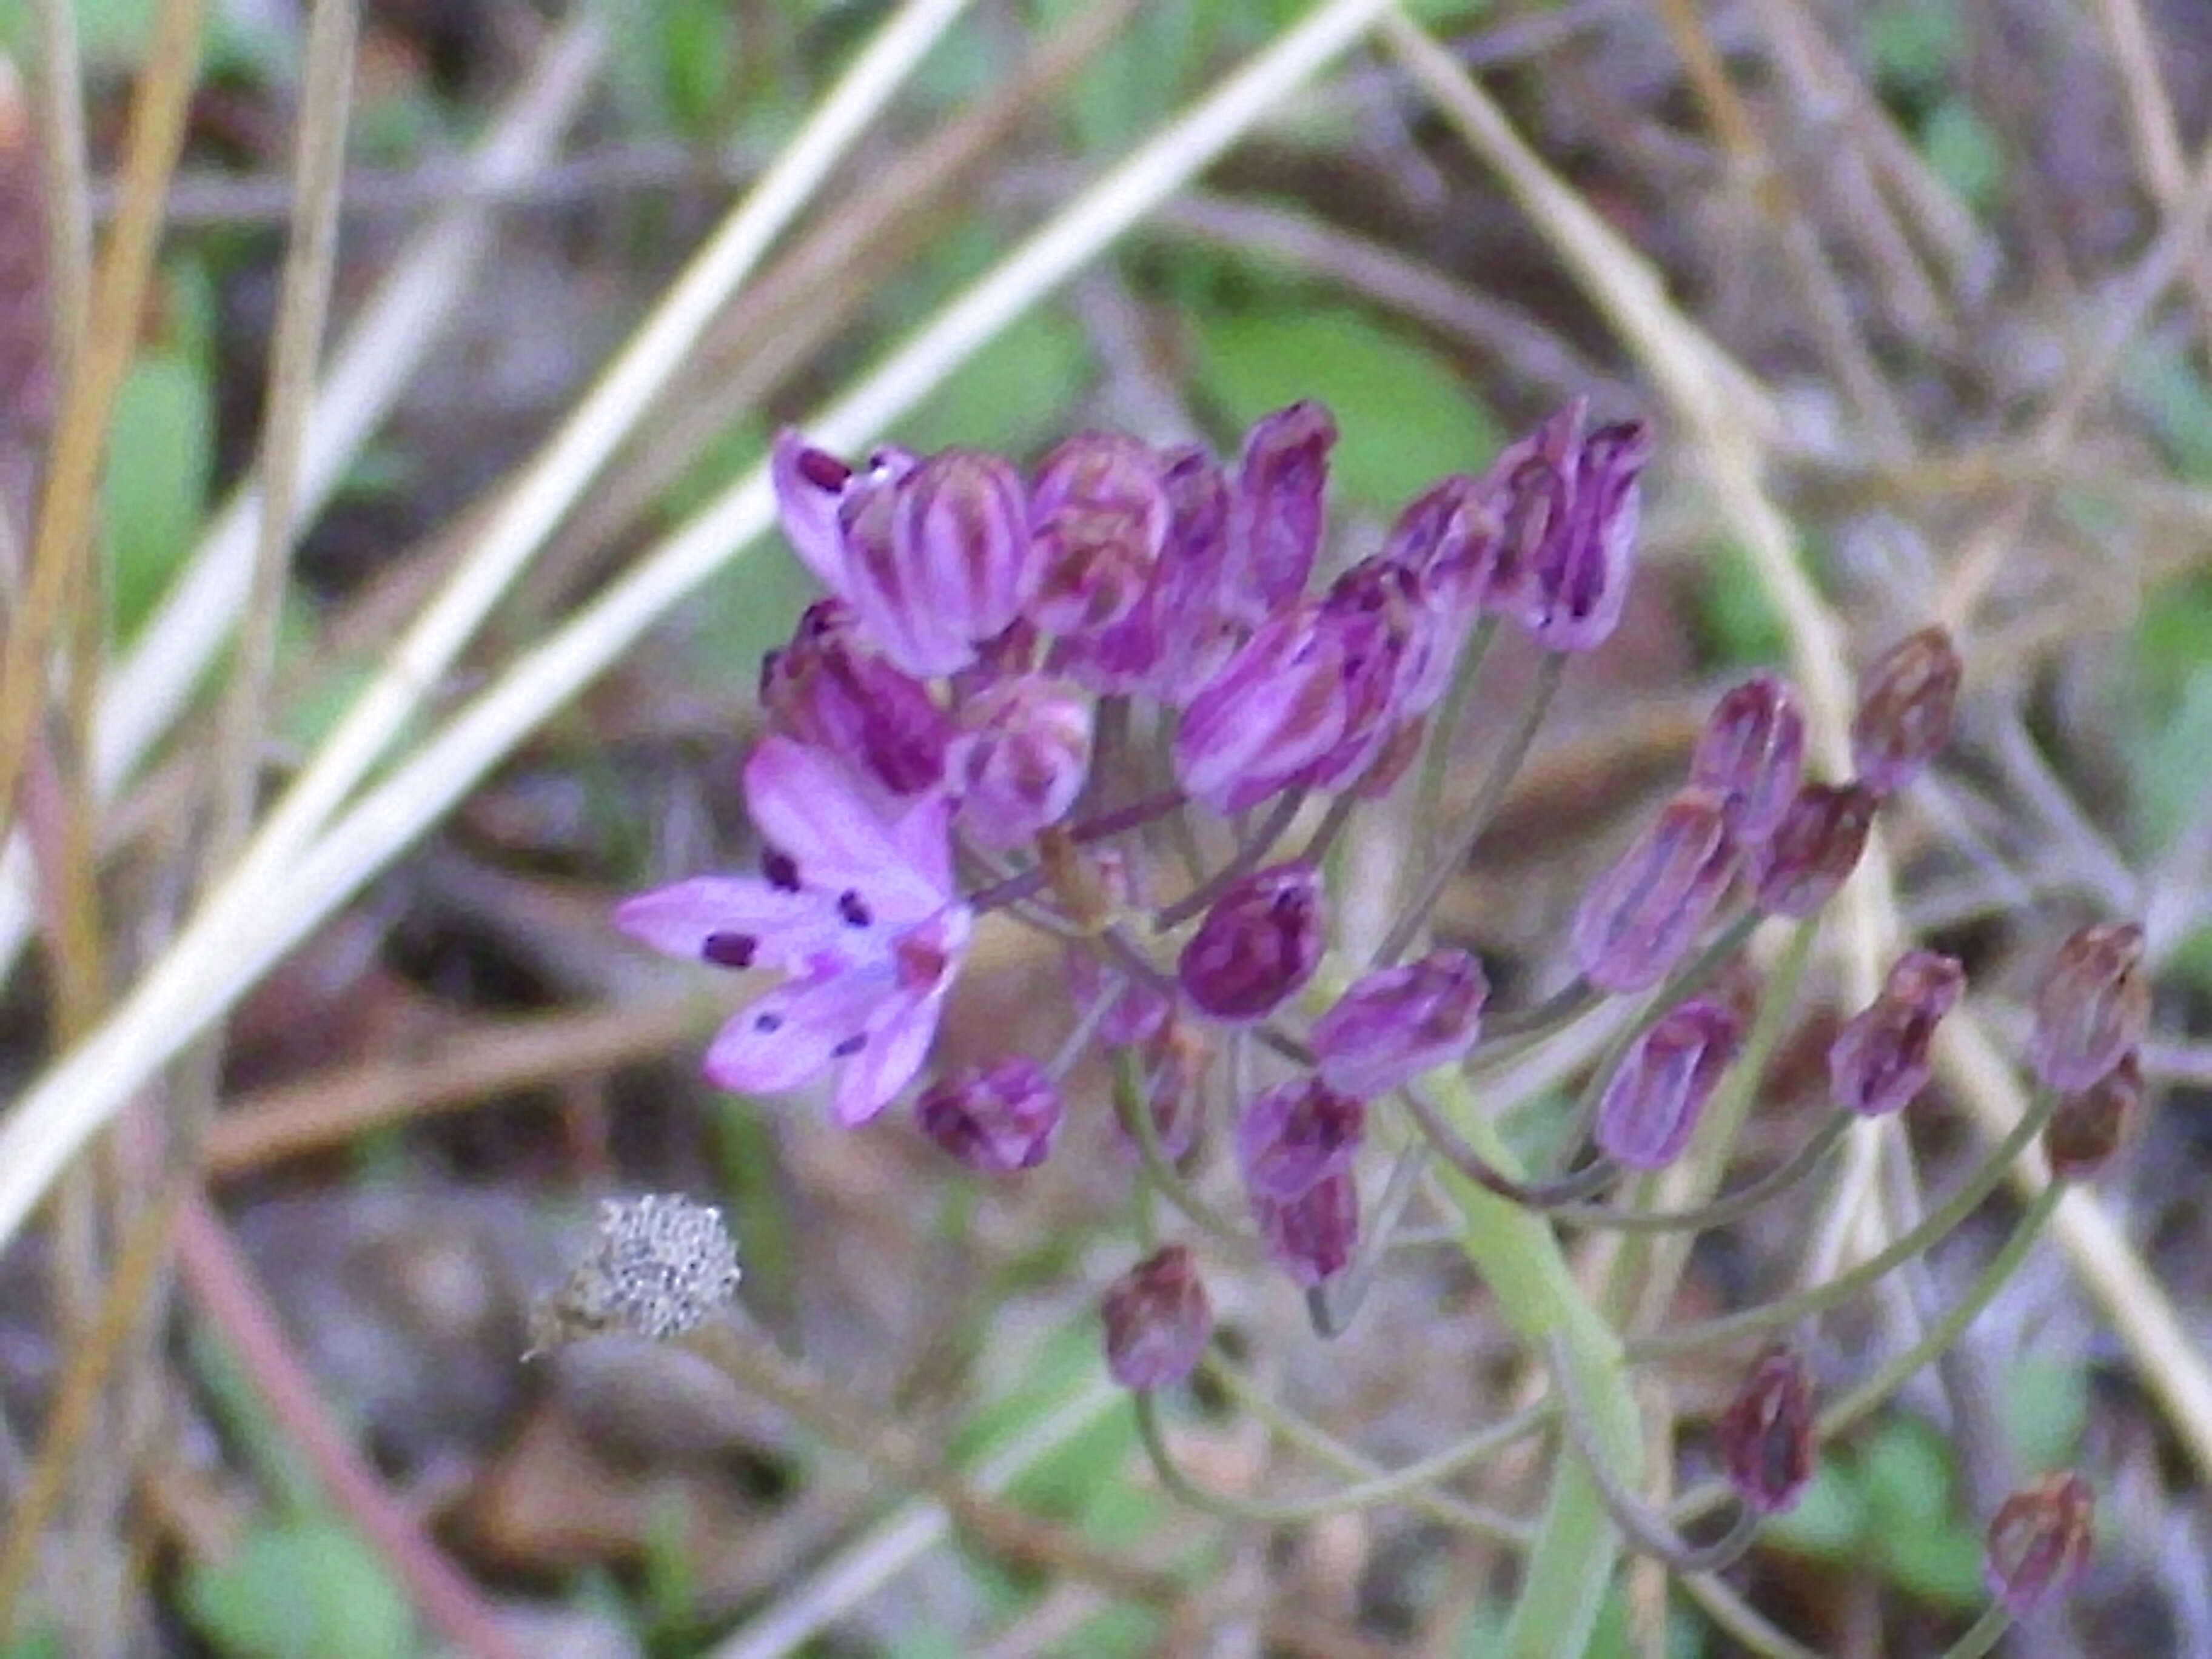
x=1882 y=1057
x=1751 y=750
x=1387 y=636
x=1101 y=518
x=1905 y=701
x=2087 y=1128
x=1652 y=1101
x=1296 y=1134
x=1639 y=918
x=943 y=563
x=1391 y=1026
x=1813 y=850
x=1448 y=536
x=1766 y=1434
x=2093 y=1008
x=995 y=1119
x=1256 y=945
x=1579 y=581
x=2040 y=1541
x=1311 y=1236
x=1157 y=1319
x=829 y=691
x=1020 y=759
x=1274 y=709
x=1528 y=493
x=1275 y=518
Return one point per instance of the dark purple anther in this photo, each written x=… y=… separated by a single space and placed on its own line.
x=1391 y=1026
x=1812 y=851
x=1882 y=1057
x=1751 y=750
x=1653 y=1101
x=1158 y=1320
x=1639 y=918
x=1311 y=1236
x=1905 y=702
x=1297 y=1134
x=1766 y=1434
x=1256 y=945
x=2040 y=1543
x=2093 y=1008
x=995 y=1118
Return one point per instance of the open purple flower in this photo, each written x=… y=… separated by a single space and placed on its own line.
x=860 y=913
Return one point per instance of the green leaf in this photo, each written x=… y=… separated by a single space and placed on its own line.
x=1738 y=623
x=1829 y=1520
x=2044 y=1405
x=1406 y=417
x=161 y=458
x=305 y=1588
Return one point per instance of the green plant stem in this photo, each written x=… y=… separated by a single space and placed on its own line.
x=1982 y=1635
x=1931 y=1228
x=1135 y=1114
x=1412 y=1487
x=1459 y=839
x=1570 y=1563
x=1443 y=730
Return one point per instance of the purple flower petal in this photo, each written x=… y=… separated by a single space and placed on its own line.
x=805 y=806
x=791 y=930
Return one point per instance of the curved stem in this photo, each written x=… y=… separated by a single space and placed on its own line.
x=1448 y=1145
x=1460 y=842
x=1631 y=1513
x=1722 y=1210
x=1382 y=1489
x=1255 y=847
x=1982 y=1635
x=1932 y=1227
x=1332 y=1305
x=1134 y=1115
x=1437 y=761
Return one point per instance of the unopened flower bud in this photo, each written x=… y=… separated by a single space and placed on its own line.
x=944 y=565
x=659 y=1266
x=2093 y=1008
x=1276 y=519
x=2088 y=1125
x=1391 y=1026
x=1813 y=850
x=830 y=690
x=1274 y=709
x=1639 y=918
x=1256 y=945
x=2040 y=1542
x=1652 y=1101
x=1882 y=1057
x=1311 y=1236
x=1296 y=1134
x=1157 y=1319
x=995 y=1119
x=1751 y=750
x=1905 y=701
x=1100 y=520
x=1020 y=759
x=810 y=484
x=1579 y=582
x=1448 y=535
x=1528 y=495
x=1766 y=1434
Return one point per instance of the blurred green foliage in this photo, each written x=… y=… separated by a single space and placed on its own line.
x=306 y=1587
